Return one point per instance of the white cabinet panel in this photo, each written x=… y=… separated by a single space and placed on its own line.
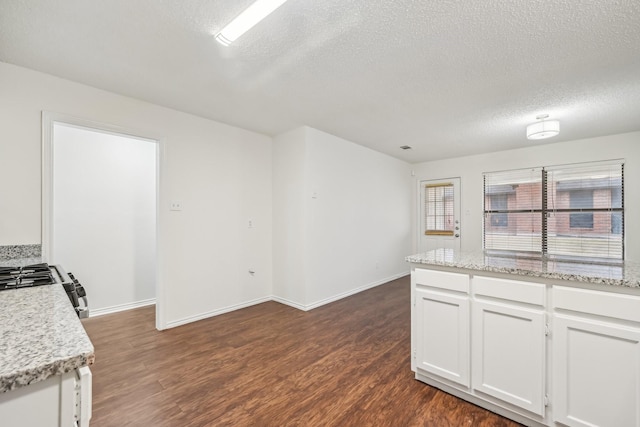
x=508 y=349
x=443 y=335
x=48 y=403
x=609 y=304
x=442 y=279
x=596 y=371
x=512 y=290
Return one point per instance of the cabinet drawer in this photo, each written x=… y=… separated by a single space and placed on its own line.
x=442 y=279
x=609 y=304
x=513 y=290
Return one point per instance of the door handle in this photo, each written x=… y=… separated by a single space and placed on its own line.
x=457 y=235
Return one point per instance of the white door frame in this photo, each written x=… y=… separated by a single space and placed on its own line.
x=419 y=206
x=48 y=121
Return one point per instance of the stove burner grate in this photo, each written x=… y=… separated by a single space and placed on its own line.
x=27 y=276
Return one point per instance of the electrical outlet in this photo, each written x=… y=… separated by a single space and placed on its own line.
x=250 y=223
x=175 y=206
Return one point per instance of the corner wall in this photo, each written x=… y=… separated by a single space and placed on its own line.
x=289 y=213
x=353 y=206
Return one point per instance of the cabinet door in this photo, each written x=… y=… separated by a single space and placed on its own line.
x=442 y=339
x=596 y=373
x=508 y=348
x=48 y=403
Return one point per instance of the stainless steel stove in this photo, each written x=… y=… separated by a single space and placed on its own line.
x=43 y=274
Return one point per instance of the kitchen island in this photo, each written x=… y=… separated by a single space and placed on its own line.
x=44 y=354
x=539 y=341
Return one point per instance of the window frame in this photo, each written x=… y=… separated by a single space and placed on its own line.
x=617 y=226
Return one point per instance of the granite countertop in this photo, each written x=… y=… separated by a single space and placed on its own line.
x=627 y=275
x=20 y=262
x=40 y=334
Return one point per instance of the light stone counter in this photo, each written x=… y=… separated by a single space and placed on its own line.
x=40 y=334
x=9 y=252
x=627 y=275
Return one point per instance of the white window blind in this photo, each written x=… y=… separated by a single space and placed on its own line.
x=439 y=209
x=564 y=211
x=585 y=210
x=513 y=210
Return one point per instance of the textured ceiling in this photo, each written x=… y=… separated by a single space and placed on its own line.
x=448 y=78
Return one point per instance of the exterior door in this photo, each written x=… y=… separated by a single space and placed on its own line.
x=439 y=223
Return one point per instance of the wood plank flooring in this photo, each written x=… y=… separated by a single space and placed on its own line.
x=343 y=364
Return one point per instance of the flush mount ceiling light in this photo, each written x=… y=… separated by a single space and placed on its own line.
x=246 y=20
x=543 y=128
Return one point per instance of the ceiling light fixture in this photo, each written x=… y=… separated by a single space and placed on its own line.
x=246 y=20
x=544 y=128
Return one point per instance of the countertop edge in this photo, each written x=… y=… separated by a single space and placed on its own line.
x=41 y=373
x=624 y=283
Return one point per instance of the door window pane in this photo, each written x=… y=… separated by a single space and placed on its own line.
x=439 y=215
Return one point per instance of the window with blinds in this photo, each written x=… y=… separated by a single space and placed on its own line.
x=513 y=210
x=439 y=215
x=585 y=210
x=570 y=211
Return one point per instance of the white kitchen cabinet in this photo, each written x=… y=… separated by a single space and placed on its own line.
x=443 y=335
x=596 y=358
x=442 y=341
x=548 y=350
x=508 y=342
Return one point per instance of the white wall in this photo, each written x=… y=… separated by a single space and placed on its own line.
x=104 y=214
x=353 y=204
x=470 y=169
x=221 y=174
x=289 y=281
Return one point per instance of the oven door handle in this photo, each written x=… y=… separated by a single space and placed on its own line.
x=83 y=312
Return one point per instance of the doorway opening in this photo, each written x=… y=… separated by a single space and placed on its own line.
x=100 y=211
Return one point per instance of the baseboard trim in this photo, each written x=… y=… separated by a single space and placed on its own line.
x=340 y=296
x=246 y=304
x=355 y=291
x=290 y=303
x=121 y=307
x=217 y=312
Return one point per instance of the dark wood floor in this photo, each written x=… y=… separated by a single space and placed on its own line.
x=343 y=364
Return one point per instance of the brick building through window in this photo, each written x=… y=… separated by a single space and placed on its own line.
x=573 y=210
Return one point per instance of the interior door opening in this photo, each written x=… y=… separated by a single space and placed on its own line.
x=100 y=213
